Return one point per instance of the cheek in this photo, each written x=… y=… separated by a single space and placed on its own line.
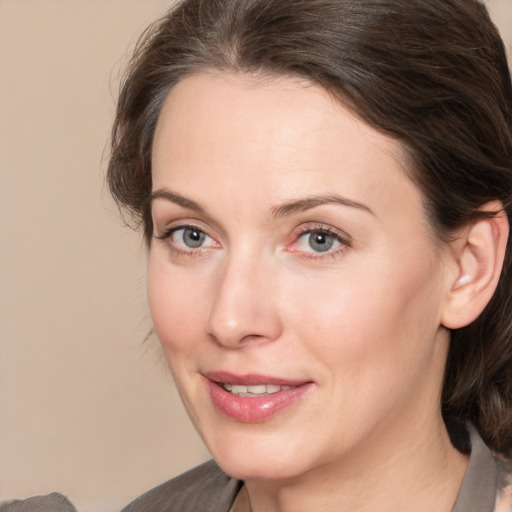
x=176 y=301
x=385 y=314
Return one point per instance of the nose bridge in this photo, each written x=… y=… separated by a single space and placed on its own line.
x=243 y=307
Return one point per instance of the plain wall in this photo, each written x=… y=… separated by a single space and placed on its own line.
x=86 y=406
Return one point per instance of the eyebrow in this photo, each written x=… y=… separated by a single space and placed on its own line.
x=166 y=194
x=282 y=210
x=307 y=203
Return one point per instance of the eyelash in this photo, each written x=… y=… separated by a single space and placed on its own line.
x=302 y=231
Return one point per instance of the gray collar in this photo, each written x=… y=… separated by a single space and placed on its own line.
x=479 y=487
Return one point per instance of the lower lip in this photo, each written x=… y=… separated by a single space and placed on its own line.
x=257 y=409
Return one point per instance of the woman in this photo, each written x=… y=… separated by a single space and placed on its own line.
x=325 y=190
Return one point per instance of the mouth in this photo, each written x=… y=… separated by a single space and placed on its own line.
x=254 y=398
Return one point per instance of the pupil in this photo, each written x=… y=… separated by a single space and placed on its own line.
x=320 y=242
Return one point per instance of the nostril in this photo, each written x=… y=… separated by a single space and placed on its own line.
x=235 y=339
x=241 y=311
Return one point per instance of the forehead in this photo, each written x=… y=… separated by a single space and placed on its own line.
x=241 y=105
x=280 y=138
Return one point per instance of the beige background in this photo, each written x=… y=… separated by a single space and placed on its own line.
x=86 y=407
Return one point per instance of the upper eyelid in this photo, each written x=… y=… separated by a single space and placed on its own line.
x=174 y=226
x=325 y=228
x=207 y=224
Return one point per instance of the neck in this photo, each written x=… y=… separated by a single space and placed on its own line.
x=393 y=473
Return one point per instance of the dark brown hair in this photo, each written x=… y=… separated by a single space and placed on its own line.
x=430 y=73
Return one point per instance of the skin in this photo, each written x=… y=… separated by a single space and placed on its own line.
x=362 y=320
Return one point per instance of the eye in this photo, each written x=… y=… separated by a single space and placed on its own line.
x=318 y=241
x=187 y=239
x=190 y=237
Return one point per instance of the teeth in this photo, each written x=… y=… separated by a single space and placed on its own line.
x=257 y=390
x=251 y=391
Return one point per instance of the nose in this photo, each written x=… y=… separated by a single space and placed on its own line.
x=244 y=305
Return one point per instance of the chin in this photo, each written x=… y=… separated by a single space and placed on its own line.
x=267 y=469
x=258 y=457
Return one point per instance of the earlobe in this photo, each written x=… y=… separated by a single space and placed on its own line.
x=478 y=252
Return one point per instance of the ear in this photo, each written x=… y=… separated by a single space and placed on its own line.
x=478 y=254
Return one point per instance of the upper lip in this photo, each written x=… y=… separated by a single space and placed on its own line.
x=251 y=379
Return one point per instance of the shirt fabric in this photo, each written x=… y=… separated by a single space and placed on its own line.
x=53 y=502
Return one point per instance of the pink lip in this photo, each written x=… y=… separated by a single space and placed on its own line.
x=257 y=409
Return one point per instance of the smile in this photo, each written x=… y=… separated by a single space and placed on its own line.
x=254 y=398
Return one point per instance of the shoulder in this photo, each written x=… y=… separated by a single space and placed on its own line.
x=54 y=502
x=204 y=488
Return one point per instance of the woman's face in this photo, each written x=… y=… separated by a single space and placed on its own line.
x=293 y=279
